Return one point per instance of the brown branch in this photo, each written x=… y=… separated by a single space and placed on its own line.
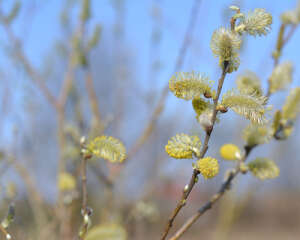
x=84 y=184
x=289 y=34
x=195 y=174
x=224 y=187
x=67 y=83
x=84 y=208
x=35 y=198
x=161 y=102
x=5 y=233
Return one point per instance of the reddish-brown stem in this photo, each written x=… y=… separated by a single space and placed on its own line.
x=5 y=233
x=195 y=174
x=208 y=205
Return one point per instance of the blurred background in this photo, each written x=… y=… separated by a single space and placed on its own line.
x=64 y=75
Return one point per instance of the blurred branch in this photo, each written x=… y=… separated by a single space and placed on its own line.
x=5 y=233
x=162 y=99
x=290 y=34
x=85 y=210
x=231 y=210
x=89 y=84
x=34 y=75
x=101 y=176
x=35 y=198
x=67 y=84
x=282 y=40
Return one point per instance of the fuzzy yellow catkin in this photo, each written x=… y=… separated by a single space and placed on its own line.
x=258 y=22
x=189 y=85
x=249 y=83
x=225 y=45
x=263 y=168
x=209 y=167
x=230 y=152
x=109 y=148
x=281 y=76
x=291 y=107
x=183 y=146
x=291 y=16
x=251 y=107
x=255 y=134
x=66 y=182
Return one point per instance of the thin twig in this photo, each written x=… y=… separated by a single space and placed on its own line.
x=280 y=43
x=89 y=84
x=290 y=34
x=84 y=208
x=161 y=102
x=195 y=174
x=224 y=187
x=35 y=198
x=5 y=233
x=84 y=184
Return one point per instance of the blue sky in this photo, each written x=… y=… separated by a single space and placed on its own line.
x=43 y=30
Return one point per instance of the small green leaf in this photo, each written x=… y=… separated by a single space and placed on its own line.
x=183 y=146
x=276 y=121
x=200 y=105
x=264 y=168
x=107 y=231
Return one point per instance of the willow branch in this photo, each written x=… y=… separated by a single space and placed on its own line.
x=5 y=233
x=36 y=200
x=290 y=34
x=84 y=184
x=89 y=84
x=84 y=209
x=162 y=99
x=224 y=187
x=195 y=174
x=280 y=43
